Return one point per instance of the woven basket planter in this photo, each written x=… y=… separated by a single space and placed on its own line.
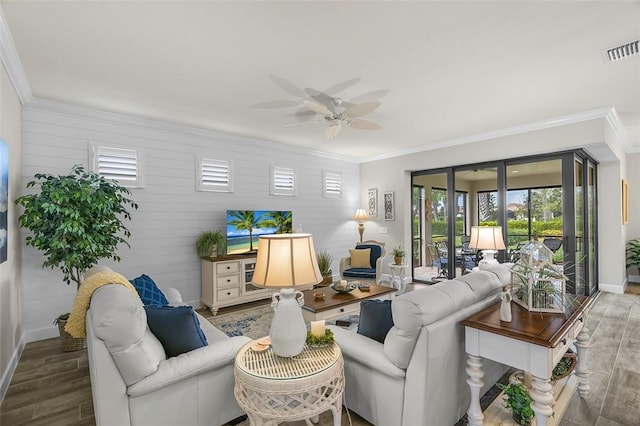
x=70 y=343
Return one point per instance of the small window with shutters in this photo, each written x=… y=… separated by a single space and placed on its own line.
x=283 y=181
x=118 y=164
x=332 y=184
x=213 y=175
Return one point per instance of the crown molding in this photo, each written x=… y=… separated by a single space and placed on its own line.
x=71 y=110
x=11 y=61
x=607 y=113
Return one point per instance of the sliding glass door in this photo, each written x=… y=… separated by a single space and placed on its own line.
x=529 y=197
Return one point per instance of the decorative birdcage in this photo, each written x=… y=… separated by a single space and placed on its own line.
x=538 y=284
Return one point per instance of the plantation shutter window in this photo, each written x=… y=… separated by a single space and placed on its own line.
x=118 y=164
x=283 y=181
x=332 y=184
x=214 y=175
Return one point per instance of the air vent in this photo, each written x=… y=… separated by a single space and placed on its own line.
x=623 y=51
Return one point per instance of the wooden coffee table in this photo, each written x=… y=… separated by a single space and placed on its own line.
x=335 y=305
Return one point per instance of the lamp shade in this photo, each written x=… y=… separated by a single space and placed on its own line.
x=486 y=238
x=286 y=260
x=361 y=214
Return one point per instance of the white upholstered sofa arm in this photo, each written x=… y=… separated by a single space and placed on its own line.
x=365 y=351
x=196 y=362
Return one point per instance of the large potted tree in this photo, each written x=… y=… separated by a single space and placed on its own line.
x=75 y=220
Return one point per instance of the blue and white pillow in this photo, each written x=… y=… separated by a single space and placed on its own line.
x=148 y=291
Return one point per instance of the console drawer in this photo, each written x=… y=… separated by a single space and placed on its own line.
x=228 y=280
x=228 y=293
x=227 y=268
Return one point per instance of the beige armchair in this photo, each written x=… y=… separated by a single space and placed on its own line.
x=358 y=268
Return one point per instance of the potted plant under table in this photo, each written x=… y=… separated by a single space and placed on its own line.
x=75 y=220
x=324 y=264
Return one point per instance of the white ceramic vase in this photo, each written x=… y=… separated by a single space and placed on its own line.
x=288 y=329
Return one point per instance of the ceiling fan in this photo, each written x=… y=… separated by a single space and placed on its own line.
x=334 y=110
x=338 y=115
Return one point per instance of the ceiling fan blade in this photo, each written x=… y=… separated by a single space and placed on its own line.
x=303 y=114
x=276 y=104
x=362 y=109
x=288 y=86
x=303 y=123
x=341 y=86
x=333 y=129
x=318 y=96
x=319 y=108
x=369 y=96
x=359 y=123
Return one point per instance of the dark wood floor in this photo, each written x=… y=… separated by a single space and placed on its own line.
x=51 y=387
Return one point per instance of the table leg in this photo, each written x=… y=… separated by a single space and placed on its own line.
x=541 y=399
x=582 y=369
x=336 y=410
x=475 y=373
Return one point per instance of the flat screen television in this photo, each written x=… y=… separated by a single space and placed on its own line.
x=244 y=227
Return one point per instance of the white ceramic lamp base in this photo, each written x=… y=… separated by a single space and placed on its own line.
x=488 y=259
x=288 y=329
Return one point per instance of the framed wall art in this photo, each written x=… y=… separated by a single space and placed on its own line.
x=4 y=198
x=625 y=202
x=372 y=202
x=389 y=207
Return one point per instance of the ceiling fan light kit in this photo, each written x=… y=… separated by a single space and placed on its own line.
x=340 y=115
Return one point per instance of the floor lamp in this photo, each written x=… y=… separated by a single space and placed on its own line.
x=287 y=262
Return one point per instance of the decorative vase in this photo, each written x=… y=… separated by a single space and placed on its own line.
x=213 y=251
x=288 y=329
x=397 y=260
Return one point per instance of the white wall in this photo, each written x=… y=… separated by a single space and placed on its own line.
x=592 y=134
x=171 y=212
x=10 y=279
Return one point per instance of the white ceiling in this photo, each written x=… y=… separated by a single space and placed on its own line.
x=452 y=69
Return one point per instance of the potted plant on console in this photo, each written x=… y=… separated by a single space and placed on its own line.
x=75 y=220
x=210 y=244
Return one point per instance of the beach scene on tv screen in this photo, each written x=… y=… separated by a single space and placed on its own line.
x=244 y=228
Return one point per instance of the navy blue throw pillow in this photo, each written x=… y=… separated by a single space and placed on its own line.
x=375 y=319
x=148 y=291
x=177 y=328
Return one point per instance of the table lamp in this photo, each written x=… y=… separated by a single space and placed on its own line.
x=489 y=240
x=361 y=214
x=287 y=262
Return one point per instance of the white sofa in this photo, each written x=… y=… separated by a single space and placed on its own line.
x=132 y=381
x=417 y=376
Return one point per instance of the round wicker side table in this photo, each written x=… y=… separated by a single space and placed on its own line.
x=272 y=390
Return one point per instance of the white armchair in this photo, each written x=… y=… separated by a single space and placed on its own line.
x=132 y=381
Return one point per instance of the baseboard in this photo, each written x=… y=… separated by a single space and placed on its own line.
x=634 y=279
x=611 y=288
x=11 y=368
x=41 y=334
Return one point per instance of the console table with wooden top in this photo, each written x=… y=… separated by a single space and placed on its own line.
x=533 y=342
x=335 y=305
